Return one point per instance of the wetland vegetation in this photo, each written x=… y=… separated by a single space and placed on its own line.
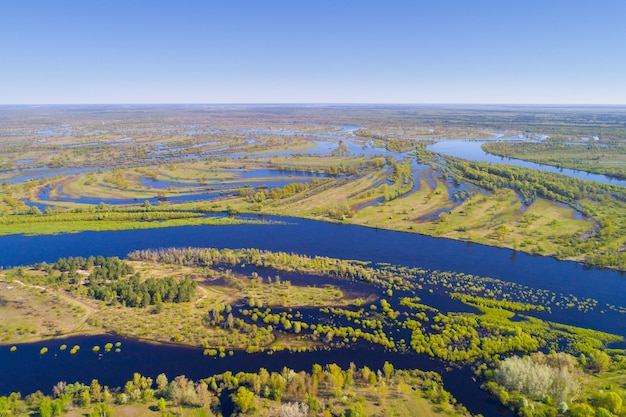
x=233 y=300
x=537 y=351
x=607 y=158
x=134 y=175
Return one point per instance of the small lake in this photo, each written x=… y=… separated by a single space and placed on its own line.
x=472 y=151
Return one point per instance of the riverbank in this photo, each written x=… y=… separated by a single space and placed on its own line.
x=444 y=198
x=288 y=298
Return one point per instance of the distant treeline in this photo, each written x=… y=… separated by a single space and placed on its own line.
x=532 y=183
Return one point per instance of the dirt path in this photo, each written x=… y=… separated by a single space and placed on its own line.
x=90 y=309
x=575 y=397
x=205 y=292
x=39 y=287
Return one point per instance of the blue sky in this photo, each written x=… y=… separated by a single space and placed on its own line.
x=317 y=51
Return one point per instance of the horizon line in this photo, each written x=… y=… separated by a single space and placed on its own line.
x=312 y=104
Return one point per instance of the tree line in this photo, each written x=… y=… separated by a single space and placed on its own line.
x=115 y=281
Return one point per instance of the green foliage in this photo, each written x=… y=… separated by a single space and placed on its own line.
x=531 y=183
x=134 y=292
x=599 y=361
x=106 y=282
x=104 y=219
x=243 y=400
x=601 y=159
x=602 y=201
x=402 y=179
x=451 y=337
x=100 y=410
x=603 y=412
x=491 y=303
x=581 y=410
x=45 y=407
x=161 y=404
x=612 y=402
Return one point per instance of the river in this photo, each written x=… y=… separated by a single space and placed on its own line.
x=22 y=369
x=312 y=238
x=472 y=151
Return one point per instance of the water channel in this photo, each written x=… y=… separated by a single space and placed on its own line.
x=22 y=369
x=299 y=236
x=472 y=151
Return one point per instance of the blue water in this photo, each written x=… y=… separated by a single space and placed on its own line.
x=299 y=236
x=22 y=369
x=471 y=150
x=41 y=206
x=26 y=174
x=254 y=176
x=320 y=148
x=252 y=182
x=256 y=173
x=342 y=241
x=152 y=200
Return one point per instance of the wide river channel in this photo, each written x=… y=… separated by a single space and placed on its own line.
x=26 y=371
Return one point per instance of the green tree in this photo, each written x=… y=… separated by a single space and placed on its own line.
x=356 y=411
x=603 y=412
x=600 y=361
x=612 y=402
x=336 y=378
x=502 y=231
x=161 y=404
x=581 y=410
x=58 y=406
x=85 y=398
x=96 y=390
x=313 y=402
x=503 y=396
x=45 y=407
x=243 y=400
x=388 y=370
x=106 y=394
x=100 y=410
